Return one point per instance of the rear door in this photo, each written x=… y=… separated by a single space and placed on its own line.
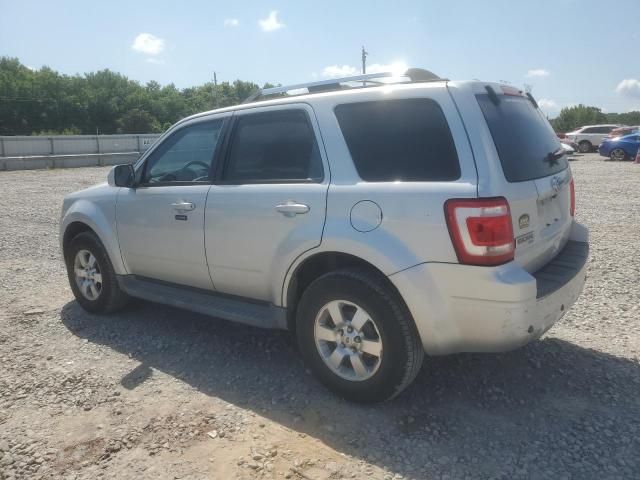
x=599 y=134
x=536 y=175
x=268 y=205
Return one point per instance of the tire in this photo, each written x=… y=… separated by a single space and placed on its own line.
x=617 y=154
x=387 y=320
x=109 y=297
x=585 y=146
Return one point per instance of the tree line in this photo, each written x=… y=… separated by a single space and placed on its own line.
x=46 y=102
x=571 y=118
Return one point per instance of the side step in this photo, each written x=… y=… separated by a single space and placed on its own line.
x=235 y=309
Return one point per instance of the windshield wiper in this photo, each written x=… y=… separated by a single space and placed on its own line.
x=553 y=157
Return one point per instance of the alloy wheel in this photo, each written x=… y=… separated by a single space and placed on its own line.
x=87 y=275
x=618 y=154
x=348 y=340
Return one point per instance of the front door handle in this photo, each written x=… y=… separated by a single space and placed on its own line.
x=291 y=208
x=183 y=206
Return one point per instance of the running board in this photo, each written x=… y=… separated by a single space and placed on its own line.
x=235 y=309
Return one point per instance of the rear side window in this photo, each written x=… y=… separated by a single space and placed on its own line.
x=269 y=147
x=406 y=140
x=525 y=141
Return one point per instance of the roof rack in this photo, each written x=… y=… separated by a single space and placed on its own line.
x=413 y=75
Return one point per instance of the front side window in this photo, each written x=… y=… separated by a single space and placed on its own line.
x=272 y=147
x=399 y=140
x=186 y=156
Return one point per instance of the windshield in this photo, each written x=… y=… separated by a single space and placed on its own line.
x=526 y=143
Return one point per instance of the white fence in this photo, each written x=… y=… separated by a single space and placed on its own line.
x=63 y=151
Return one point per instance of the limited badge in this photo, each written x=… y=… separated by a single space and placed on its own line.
x=523 y=221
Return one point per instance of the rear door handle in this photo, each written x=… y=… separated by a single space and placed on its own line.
x=291 y=209
x=183 y=206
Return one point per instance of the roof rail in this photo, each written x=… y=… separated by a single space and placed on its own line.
x=357 y=81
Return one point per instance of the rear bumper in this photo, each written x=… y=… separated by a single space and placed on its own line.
x=461 y=308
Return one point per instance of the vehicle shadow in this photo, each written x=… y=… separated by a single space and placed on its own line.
x=548 y=410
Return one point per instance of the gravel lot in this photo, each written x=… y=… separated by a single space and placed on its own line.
x=156 y=392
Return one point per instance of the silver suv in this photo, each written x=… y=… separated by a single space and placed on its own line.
x=376 y=217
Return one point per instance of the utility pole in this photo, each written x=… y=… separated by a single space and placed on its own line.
x=215 y=90
x=364 y=60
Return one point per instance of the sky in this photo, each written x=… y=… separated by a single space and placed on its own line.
x=568 y=51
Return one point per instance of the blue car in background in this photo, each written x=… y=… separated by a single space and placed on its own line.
x=620 y=148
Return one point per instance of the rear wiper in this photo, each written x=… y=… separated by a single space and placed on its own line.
x=553 y=157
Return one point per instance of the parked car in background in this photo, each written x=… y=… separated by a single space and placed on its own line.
x=620 y=148
x=570 y=144
x=623 y=131
x=590 y=136
x=568 y=149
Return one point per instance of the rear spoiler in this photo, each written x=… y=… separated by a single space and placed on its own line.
x=495 y=99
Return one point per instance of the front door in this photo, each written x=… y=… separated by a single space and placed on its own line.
x=160 y=222
x=268 y=205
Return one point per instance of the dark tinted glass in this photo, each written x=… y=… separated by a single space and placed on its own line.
x=590 y=130
x=185 y=156
x=407 y=140
x=523 y=137
x=272 y=146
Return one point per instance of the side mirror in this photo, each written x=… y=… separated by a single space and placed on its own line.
x=121 y=176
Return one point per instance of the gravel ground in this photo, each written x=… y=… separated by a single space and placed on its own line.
x=155 y=392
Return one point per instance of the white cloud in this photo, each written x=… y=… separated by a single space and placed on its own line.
x=538 y=72
x=231 y=22
x=337 y=71
x=271 y=23
x=147 y=43
x=548 y=105
x=629 y=87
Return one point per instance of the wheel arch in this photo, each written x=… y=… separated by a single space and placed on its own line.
x=85 y=216
x=73 y=230
x=318 y=264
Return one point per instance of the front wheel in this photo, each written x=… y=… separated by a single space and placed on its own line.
x=618 y=154
x=357 y=336
x=91 y=275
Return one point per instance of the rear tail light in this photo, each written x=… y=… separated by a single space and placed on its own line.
x=481 y=230
x=572 y=190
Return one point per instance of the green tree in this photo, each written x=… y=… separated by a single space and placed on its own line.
x=43 y=100
x=571 y=118
x=138 y=121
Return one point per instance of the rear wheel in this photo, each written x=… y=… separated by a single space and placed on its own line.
x=357 y=337
x=618 y=154
x=91 y=275
x=585 y=146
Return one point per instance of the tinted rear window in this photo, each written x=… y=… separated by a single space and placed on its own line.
x=406 y=140
x=523 y=137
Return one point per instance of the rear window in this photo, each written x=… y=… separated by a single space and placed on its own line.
x=523 y=137
x=399 y=140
